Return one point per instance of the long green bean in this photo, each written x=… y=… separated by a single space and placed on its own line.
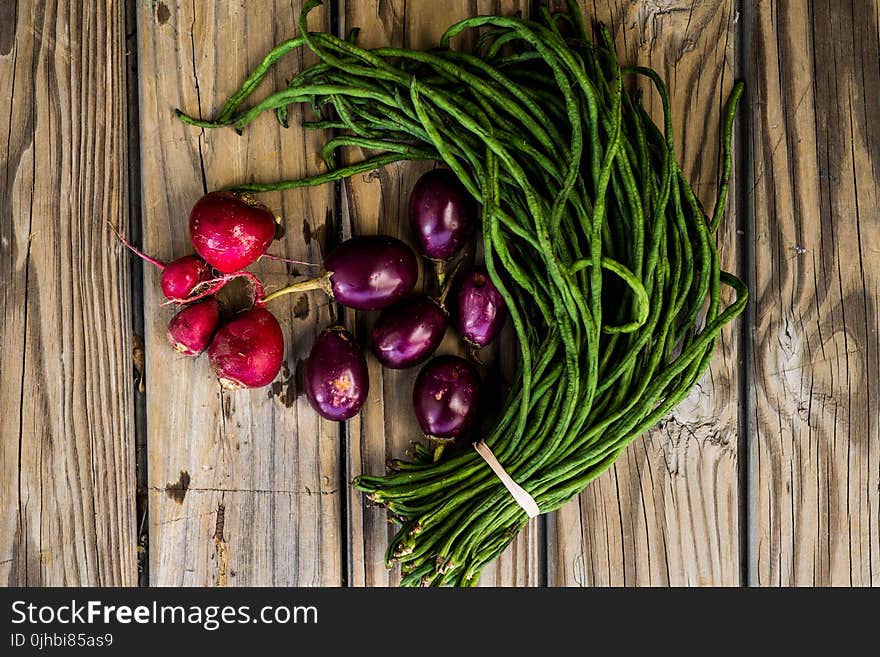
x=591 y=231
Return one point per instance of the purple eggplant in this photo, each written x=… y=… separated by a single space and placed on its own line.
x=364 y=273
x=445 y=397
x=441 y=214
x=409 y=331
x=480 y=310
x=337 y=381
x=369 y=273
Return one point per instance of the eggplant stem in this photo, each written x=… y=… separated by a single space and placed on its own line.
x=474 y=352
x=440 y=266
x=438 y=446
x=439 y=271
x=321 y=282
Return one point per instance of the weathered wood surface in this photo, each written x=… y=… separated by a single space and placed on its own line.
x=379 y=203
x=251 y=488
x=245 y=486
x=814 y=416
x=67 y=441
x=667 y=512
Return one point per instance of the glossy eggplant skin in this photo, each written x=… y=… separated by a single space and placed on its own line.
x=441 y=214
x=446 y=396
x=480 y=310
x=371 y=273
x=337 y=380
x=408 y=332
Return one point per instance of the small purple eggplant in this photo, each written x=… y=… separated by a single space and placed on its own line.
x=370 y=273
x=440 y=214
x=337 y=381
x=445 y=397
x=480 y=310
x=408 y=332
x=364 y=273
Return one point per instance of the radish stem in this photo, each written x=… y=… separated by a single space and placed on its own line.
x=213 y=286
x=290 y=260
x=137 y=252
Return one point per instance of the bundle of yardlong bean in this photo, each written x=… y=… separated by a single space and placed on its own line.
x=591 y=232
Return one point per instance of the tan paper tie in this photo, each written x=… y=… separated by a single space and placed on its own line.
x=526 y=501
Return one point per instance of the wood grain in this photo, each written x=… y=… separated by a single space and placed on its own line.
x=251 y=488
x=67 y=476
x=814 y=483
x=245 y=487
x=667 y=512
x=378 y=203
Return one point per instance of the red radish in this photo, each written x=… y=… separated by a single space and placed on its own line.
x=364 y=273
x=480 y=310
x=337 y=381
x=230 y=231
x=247 y=351
x=181 y=276
x=445 y=397
x=409 y=331
x=191 y=329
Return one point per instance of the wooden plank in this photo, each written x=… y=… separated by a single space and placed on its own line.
x=667 y=512
x=244 y=487
x=814 y=92
x=378 y=203
x=67 y=476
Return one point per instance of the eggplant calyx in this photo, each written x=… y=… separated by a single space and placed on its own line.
x=321 y=282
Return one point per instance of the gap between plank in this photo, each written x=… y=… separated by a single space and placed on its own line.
x=334 y=18
x=135 y=235
x=743 y=171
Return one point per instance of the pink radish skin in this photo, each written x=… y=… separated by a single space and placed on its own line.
x=181 y=276
x=191 y=329
x=230 y=231
x=247 y=351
